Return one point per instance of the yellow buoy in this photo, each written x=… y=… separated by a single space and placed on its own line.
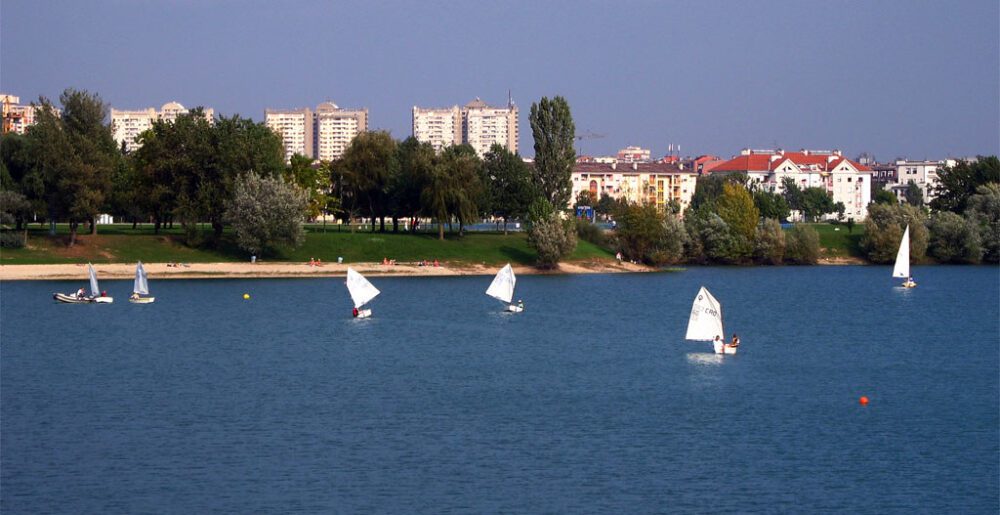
x=246 y=296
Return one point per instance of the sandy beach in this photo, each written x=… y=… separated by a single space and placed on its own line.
x=286 y=269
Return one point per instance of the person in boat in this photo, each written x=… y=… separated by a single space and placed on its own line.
x=354 y=312
x=81 y=293
x=718 y=339
x=134 y=296
x=520 y=304
x=736 y=341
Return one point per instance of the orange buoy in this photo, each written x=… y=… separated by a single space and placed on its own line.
x=863 y=400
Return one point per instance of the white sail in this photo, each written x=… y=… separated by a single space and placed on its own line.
x=361 y=290
x=502 y=287
x=141 y=283
x=706 y=318
x=95 y=291
x=902 y=268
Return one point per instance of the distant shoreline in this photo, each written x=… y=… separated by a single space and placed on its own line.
x=260 y=270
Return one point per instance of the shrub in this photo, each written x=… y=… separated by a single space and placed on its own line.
x=954 y=239
x=884 y=229
x=984 y=212
x=552 y=238
x=587 y=231
x=266 y=212
x=802 y=245
x=769 y=244
x=11 y=239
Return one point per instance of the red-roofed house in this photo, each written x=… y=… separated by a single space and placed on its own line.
x=846 y=181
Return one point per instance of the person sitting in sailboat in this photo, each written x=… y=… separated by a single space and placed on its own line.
x=717 y=340
x=134 y=296
x=354 y=312
x=736 y=341
x=520 y=304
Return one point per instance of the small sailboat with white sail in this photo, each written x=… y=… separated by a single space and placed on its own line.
x=705 y=323
x=140 y=287
x=502 y=289
x=362 y=292
x=902 y=268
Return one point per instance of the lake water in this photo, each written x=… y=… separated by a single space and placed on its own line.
x=589 y=401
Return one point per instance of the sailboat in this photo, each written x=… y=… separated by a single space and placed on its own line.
x=361 y=291
x=81 y=297
x=705 y=323
x=502 y=289
x=140 y=287
x=902 y=268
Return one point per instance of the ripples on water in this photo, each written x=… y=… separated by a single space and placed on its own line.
x=590 y=401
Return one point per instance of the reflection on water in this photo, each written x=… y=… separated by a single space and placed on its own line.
x=704 y=358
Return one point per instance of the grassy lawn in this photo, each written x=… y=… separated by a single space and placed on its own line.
x=120 y=243
x=836 y=241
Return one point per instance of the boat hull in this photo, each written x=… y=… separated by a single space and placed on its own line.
x=514 y=308
x=142 y=300
x=364 y=313
x=909 y=284
x=104 y=300
x=722 y=348
x=71 y=299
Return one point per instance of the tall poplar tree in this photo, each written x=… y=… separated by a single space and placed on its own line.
x=554 y=133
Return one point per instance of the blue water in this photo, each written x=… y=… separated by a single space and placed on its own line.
x=590 y=401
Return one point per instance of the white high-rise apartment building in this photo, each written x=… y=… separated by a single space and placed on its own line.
x=439 y=127
x=126 y=126
x=335 y=128
x=484 y=125
x=321 y=134
x=295 y=126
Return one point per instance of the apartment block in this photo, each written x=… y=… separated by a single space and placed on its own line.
x=18 y=117
x=334 y=128
x=439 y=127
x=126 y=126
x=295 y=126
x=321 y=134
x=650 y=183
x=483 y=125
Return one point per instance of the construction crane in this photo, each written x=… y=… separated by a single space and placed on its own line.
x=588 y=135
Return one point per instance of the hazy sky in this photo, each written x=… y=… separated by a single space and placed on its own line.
x=897 y=78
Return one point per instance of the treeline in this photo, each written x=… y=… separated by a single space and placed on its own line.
x=732 y=222
x=231 y=172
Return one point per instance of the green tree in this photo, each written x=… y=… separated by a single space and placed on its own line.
x=373 y=163
x=552 y=238
x=508 y=184
x=816 y=202
x=606 y=205
x=769 y=243
x=771 y=205
x=711 y=240
x=708 y=188
x=266 y=213
x=14 y=208
x=884 y=230
x=885 y=197
x=802 y=245
x=792 y=193
x=957 y=183
x=914 y=195
x=75 y=156
x=314 y=179
x=737 y=209
x=585 y=199
x=953 y=239
x=554 y=134
x=984 y=212
x=646 y=234
x=416 y=164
